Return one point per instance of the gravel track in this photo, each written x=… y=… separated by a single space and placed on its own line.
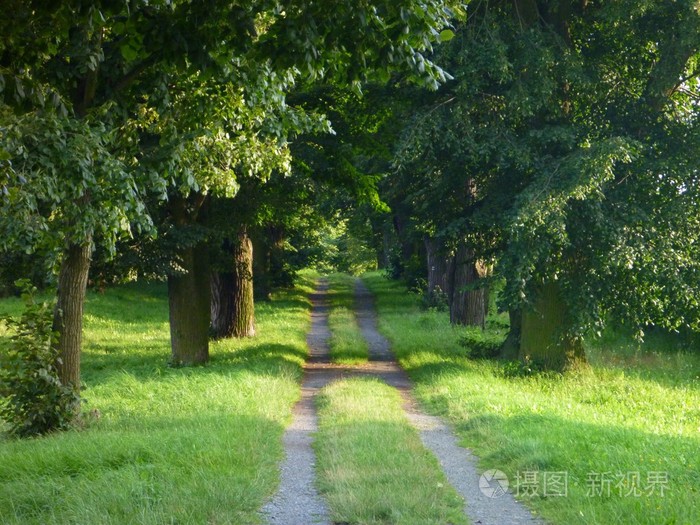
x=458 y=463
x=297 y=501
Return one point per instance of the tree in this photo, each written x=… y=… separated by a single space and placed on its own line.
x=576 y=126
x=65 y=185
x=104 y=57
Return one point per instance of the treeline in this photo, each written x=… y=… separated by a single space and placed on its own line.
x=560 y=161
x=548 y=146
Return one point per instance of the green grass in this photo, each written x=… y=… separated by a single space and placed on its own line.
x=197 y=445
x=372 y=466
x=347 y=345
x=635 y=410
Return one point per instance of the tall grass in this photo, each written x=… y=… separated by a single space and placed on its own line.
x=189 y=445
x=372 y=466
x=620 y=433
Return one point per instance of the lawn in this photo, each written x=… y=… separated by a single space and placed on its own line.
x=372 y=466
x=197 y=445
x=618 y=442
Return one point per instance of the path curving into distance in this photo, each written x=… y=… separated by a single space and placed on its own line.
x=297 y=502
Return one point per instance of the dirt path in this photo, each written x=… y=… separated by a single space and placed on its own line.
x=297 y=501
x=458 y=463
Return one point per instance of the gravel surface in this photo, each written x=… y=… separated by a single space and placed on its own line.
x=297 y=501
x=458 y=463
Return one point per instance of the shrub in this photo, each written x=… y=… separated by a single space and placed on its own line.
x=526 y=368
x=34 y=400
x=434 y=300
x=481 y=344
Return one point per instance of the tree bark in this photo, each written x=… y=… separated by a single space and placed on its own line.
x=68 y=315
x=511 y=346
x=543 y=339
x=438 y=265
x=189 y=293
x=384 y=257
x=222 y=309
x=401 y=227
x=189 y=297
x=467 y=307
x=262 y=262
x=243 y=301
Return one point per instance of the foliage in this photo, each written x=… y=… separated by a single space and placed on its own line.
x=555 y=152
x=35 y=402
x=514 y=369
x=38 y=268
x=434 y=299
x=66 y=184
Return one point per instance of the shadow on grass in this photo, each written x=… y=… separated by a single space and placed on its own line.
x=601 y=463
x=261 y=358
x=145 y=440
x=264 y=352
x=377 y=471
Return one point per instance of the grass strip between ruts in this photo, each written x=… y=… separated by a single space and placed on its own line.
x=347 y=345
x=372 y=467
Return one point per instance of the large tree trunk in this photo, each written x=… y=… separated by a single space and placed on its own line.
x=243 y=301
x=68 y=315
x=262 y=262
x=222 y=309
x=543 y=339
x=467 y=307
x=189 y=297
x=189 y=293
x=511 y=346
x=384 y=257
x=438 y=266
x=401 y=226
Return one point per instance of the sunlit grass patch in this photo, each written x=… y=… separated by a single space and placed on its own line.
x=347 y=345
x=623 y=430
x=185 y=445
x=372 y=466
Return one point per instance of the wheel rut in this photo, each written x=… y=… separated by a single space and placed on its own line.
x=297 y=502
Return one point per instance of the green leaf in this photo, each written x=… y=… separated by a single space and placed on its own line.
x=128 y=52
x=446 y=35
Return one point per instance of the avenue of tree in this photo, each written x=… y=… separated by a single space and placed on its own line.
x=550 y=148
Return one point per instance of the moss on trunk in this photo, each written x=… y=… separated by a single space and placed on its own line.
x=544 y=340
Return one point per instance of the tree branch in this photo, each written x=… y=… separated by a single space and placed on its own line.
x=130 y=77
